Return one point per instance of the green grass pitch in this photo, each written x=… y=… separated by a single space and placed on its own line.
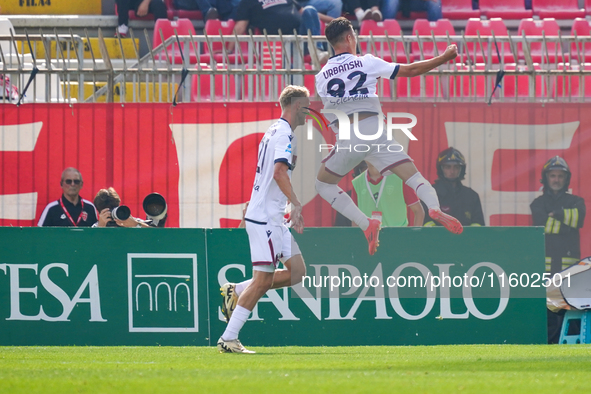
x=419 y=369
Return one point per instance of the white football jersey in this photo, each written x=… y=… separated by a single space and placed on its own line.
x=267 y=201
x=348 y=83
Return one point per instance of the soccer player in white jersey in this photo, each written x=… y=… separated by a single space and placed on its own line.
x=269 y=237
x=348 y=83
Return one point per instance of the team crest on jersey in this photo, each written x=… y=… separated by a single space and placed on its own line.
x=63 y=216
x=84 y=216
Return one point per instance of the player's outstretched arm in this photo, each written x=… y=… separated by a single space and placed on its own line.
x=424 y=66
x=282 y=178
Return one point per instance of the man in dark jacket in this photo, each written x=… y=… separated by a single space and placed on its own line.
x=562 y=215
x=456 y=200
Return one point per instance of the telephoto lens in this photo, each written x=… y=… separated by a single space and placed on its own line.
x=121 y=213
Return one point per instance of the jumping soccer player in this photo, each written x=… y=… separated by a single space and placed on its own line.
x=348 y=83
x=269 y=237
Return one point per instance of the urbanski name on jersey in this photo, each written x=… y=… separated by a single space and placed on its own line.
x=342 y=68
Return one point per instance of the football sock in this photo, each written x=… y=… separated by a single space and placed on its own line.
x=239 y=317
x=241 y=286
x=424 y=190
x=342 y=203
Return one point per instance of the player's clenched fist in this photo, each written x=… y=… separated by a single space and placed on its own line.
x=451 y=52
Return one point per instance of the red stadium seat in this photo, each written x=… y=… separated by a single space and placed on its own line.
x=563 y=9
x=582 y=28
x=485 y=28
x=411 y=87
x=572 y=86
x=518 y=86
x=458 y=9
x=506 y=9
x=392 y=29
x=549 y=28
x=183 y=27
x=214 y=27
x=588 y=7
x=423 y=27
x=466 y=86
x=224 y=86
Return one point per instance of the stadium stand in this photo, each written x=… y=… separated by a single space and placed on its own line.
x=581 y=28
x=215 y=27
x=411 y=87
x=458 y=9
x=164 y=29
x=563 y=9
x=468 y=86
x=519 y=85
x=426 y=29
x=486 y=28
x=540 y=53
x=575 y=86
x=506 y=9
x=224 y=86
x=391 y=28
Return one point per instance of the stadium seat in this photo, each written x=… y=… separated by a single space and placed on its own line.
x=467 y=86
x=549 y=28
x=588 y=7
x=563 y=9
x=572 y=86
x=380 y=29
x=485 y=28
x=411 y=87
x=182 y=27
x=458 y=9
x=581 y=28
x=518 y=85
x=188 y=14
x=213 y=27
x=506 y=9
x=423 y=27
x=224 y=86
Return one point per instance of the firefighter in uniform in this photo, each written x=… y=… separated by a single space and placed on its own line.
x=562 y=215
x=456 y=200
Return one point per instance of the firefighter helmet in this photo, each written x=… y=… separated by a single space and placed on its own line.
x=555 y=163
x=451 y=156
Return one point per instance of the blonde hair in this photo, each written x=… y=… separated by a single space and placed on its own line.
x=290 y=92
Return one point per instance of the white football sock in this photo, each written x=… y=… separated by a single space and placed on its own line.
x=424 y=190
x=342 y=203
x=241 y=286
x=239 y=317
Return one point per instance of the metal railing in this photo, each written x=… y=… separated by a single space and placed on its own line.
x=537 y=68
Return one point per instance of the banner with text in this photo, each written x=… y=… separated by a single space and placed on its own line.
x=120 y=286
x=202 y=157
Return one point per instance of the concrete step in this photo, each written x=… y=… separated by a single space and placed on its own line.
x=114 y=49
x=156 y=92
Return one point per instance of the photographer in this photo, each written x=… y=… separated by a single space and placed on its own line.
x=106 y=201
